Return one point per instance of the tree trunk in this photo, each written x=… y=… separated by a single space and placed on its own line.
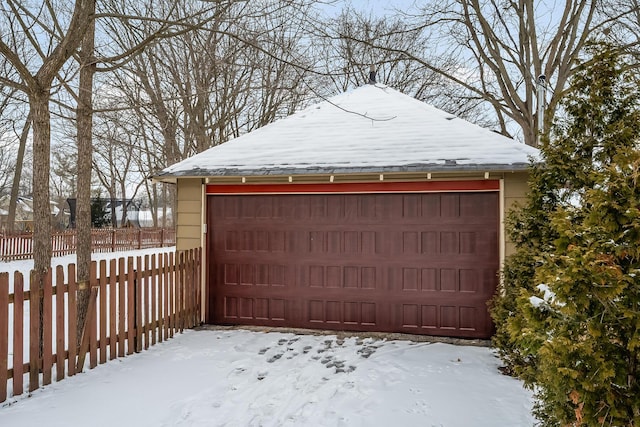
x=15 y=185
x=39 y=105
x=123 y=192
x=85 y=125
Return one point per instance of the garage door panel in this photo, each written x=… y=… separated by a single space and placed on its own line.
x=326 y=313
x=247 y=307
x=417 y=317
x=246 y=274
x=421 y=263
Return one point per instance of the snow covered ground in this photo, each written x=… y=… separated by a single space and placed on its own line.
x=243 y=378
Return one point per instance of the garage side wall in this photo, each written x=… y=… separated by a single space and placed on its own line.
x=515 y=192
x=189 y=214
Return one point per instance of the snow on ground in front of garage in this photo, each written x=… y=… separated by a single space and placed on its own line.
x=242 y=378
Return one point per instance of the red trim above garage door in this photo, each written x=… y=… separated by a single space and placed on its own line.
x=355 y=188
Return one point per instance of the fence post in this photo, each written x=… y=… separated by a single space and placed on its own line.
x=139 y=238
x=113 y=240
x=162 y=237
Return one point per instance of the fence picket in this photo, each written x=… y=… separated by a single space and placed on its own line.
x=73 y=320
x=60 y=344
x=47 y=329
x=18 y=333
x=187 y=290
x=92 y=319
x=172 y=296
x=199 y=299
x=145 y=302
x=165 y=302
x=4 y=334
x=102 y=344
x=122 y=307
x=113 y=332
x=179 y=293
x=139 y=289
x=131 y=304
x=154 y=300
x=34 y=333
x=194 y=290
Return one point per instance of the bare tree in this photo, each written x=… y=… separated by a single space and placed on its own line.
x=7 y=166
x=624 y=31
x=116 y=167
x=35 y=79
x=501 y=49
x=17 y=173
x=355 y=41
x=198 y=89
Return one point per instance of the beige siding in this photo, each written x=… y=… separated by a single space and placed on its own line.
x=515 y=191
x=189 y=206
x=189 y=214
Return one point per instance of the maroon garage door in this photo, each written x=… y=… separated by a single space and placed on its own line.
x=416 y=263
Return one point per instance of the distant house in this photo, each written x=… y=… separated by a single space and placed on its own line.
x=371 y=211
x=24 y=213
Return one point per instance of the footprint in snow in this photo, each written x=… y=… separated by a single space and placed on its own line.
x=336 y=363
x=262 y=375
x=419 y=407
x=306 y=349
x=263 y=350
x=274 y=357
x=326 y=360
x=367 y=351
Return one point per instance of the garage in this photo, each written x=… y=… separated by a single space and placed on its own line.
x=369 y=211
x=422 y=263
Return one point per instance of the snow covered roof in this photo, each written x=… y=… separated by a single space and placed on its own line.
x=370 y=129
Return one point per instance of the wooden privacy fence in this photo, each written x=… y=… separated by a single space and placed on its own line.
x=136 y=303
x=20 y=246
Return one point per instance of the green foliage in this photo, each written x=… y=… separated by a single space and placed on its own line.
x=99 y=216
x=588 y=365
x=577 y=237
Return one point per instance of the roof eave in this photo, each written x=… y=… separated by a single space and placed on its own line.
x=171 y=177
